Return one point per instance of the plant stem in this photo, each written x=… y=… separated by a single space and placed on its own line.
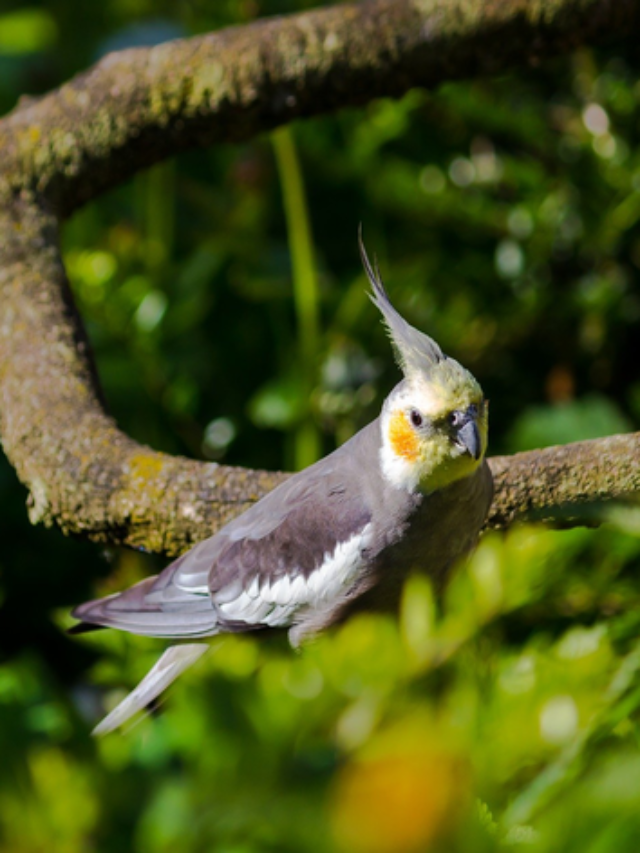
x=305 y=285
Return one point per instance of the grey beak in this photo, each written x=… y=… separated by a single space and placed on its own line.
x=469 y=437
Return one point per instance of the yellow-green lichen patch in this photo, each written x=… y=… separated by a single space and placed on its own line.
x=207 y=86
x=145 y=466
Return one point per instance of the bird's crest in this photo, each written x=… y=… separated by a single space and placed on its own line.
x=417 y=354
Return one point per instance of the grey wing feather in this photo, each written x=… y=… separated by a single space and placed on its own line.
x=173 y=663
x=263 y=568
x=154 y=608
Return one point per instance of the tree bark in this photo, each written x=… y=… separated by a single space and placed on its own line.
x=139 y=106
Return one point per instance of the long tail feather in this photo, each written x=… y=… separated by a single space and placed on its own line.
x=173 y=663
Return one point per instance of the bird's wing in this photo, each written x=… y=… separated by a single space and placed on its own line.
x=154 y=608
x=299 y=546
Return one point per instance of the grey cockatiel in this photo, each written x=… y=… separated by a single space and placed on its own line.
x=410 y=491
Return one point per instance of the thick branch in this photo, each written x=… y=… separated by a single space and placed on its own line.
x=139 y=106
x=569 y=483
x=82 y=472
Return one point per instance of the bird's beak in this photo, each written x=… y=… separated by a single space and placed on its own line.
x=469 y=438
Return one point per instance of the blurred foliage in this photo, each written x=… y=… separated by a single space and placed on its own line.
x=227 y=308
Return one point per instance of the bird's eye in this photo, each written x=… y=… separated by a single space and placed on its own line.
x=416 y=418
x=452 y=419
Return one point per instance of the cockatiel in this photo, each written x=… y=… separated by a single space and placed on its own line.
x=409 y=491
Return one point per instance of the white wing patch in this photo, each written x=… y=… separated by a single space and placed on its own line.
x=277 y=603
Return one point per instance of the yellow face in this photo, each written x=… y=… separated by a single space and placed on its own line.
x=435 y=432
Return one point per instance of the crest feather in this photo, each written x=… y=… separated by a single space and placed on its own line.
x=416 y=353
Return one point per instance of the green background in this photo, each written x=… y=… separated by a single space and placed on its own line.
x=505 y=216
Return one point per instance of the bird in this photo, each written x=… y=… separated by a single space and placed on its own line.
x=409 y=492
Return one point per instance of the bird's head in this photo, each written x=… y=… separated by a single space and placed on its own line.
x=435 y=422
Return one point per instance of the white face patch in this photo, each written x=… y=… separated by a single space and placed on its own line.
x=276 y=604
x=397 y=471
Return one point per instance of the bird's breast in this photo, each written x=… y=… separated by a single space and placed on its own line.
x=430 y=537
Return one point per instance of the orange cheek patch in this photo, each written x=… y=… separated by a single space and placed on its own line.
x=403 y=438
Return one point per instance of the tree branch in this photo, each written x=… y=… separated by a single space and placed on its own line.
x=139 y=106
x=568 y=484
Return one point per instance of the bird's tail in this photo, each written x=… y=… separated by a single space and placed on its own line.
x=173 y=663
